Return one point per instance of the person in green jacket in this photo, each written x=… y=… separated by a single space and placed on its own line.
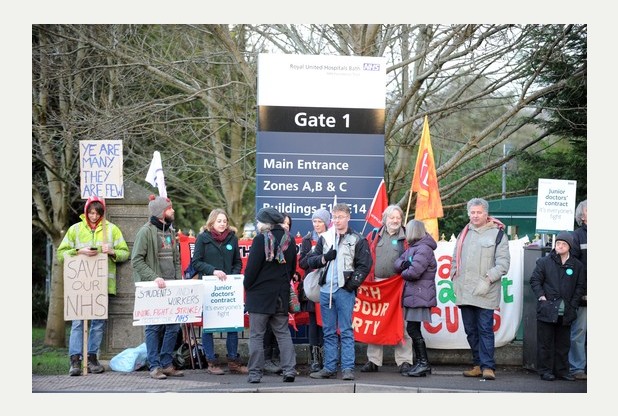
x=87 y=238
x=156 y=258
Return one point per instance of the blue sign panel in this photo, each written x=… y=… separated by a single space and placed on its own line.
x=308 y=155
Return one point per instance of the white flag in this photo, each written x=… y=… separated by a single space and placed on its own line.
x=155 y=174
x=330 y=235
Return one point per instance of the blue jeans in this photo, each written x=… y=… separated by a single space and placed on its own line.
x=338 y=315
x=160 y=343
x=579 y=333
x=231 y=344
x=478 y=324
x=95 y=336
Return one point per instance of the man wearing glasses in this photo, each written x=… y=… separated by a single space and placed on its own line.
x=347 y=261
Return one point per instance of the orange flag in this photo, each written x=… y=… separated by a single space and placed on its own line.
x=378 y=205
x=425 y=184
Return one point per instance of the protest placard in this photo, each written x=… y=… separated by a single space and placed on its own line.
x=85 y=287
x=179 y=302
x=100 y=168
x=223 y=304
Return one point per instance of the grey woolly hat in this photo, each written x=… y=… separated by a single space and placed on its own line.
x=565 y=236
x=322 y=215
x=269 y=215
x=158 y=205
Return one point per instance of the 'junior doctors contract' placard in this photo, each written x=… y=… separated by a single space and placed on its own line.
x=223 y=303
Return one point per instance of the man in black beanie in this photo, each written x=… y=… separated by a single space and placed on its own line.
x=558 y=282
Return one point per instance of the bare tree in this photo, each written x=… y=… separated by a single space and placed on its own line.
x=189 y=91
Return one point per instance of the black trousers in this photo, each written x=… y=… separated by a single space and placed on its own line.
x=553 y=343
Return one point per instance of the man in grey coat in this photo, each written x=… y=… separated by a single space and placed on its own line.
x=480 y=259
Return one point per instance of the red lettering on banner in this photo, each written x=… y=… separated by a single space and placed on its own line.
x=444 y=266
x=433 y=329
x=451 y=319
x=370 y=308
x=497 y=320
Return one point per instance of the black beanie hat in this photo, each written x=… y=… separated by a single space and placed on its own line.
x=565 y=236
x=269 y=215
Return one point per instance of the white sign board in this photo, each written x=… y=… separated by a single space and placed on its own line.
x=85 y=287
x=223 y=304
x=179 y=302
x=100 y=168
x=446 y=331
x=321 y=81
x=555 y=210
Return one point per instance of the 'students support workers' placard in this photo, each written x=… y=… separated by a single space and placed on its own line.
x=179 y=302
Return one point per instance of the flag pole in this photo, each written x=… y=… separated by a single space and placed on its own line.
x=408 y=208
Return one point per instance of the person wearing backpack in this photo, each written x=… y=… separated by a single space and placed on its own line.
x=216 y=253
x=91 y=236
x=480 y=259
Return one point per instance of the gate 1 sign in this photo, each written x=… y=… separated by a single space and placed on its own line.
x=85 y=287
x=320 y=134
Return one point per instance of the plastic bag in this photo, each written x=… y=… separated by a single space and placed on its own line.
x=131 y=359
x=311 y=284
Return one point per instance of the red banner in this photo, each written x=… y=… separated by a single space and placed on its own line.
x=186 y=244
x=378 y=314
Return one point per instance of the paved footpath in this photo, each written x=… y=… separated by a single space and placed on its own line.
x=444 y=379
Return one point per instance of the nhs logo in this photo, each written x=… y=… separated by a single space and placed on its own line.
x=371 y=67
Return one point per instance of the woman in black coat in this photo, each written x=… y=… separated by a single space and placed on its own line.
x=216 y=253
x=271 y=262
x=558 y=282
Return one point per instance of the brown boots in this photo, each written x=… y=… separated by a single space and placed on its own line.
x=236 y=367
x=213 y=368
x=473 y=372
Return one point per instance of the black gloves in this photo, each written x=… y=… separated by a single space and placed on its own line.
x=348 y=286
x=405 y=265
x=353 y=280
x=330 y=254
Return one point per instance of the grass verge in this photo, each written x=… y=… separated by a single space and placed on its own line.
x=48 y=360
